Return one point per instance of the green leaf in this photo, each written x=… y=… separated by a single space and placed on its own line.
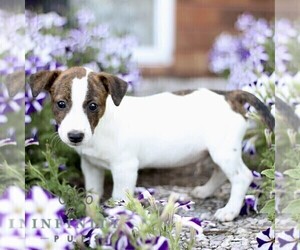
x=293 y=173
x=269 y=207
x=269 y=173
x=293 y=207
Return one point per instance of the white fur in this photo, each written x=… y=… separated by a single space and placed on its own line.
x=76 y=119
x=163 y=130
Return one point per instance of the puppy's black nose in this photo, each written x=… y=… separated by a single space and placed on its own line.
x=75 y=136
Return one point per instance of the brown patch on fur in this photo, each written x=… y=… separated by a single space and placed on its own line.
x=96 y=94
x=238 y=98
x=234 y=100
x=99 y=86
x=43 y=80
x=115 y=86
x=61 y=90
x=183 y=92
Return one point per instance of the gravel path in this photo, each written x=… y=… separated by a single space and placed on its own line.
x=238 y=234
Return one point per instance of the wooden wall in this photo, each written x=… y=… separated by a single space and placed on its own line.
x=198 y=22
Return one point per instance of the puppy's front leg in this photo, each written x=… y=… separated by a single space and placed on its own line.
x=124 y=176
x=94 y=179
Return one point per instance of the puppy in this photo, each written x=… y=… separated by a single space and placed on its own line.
x=163 y=130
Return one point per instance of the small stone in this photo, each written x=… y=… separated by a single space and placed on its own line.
x=245 y=242
x=242 y=231
x=205 y=216
x=228 y=224
x=204 y=243
x=219 y=238
x=215 y=244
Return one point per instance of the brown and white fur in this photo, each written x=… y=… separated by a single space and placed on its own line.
x=163 y=130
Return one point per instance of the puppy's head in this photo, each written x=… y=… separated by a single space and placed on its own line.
x=78 y=98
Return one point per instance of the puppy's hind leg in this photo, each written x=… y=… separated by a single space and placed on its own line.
x=215 y=181
x=240 y=177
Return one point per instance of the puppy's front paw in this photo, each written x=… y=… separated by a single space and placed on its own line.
x=201 y=192
x=226 y=214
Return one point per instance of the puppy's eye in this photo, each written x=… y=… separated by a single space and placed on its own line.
x=93 y=107
x=61 y=104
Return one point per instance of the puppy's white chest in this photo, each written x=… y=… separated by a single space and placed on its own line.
x=97 y=156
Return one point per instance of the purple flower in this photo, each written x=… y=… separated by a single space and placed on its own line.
x=10 y=138
x=94 y=238
x=282 y=57
x=33 y=138
x=9 y=104
x=284 y=31
x=123 y=243
x=241 y=74
x=79 y=227
x=7 y=141
x=257 y=34
x=278 y=175
x=51 y=19
x=243 y=52
x=144 y=193
x=79 y=40
x=255 y=184
x=223 y=55
x=244 y=22
x=34 y=64
x=45 y=227
x=184 y=204
x=100 y=31
x=62 y=167
x=11 y=64
x=124 y=218
x=266 y=239
x=250 y=204
x=39 y=206
x=156 y=243
x=32 y=104
x=132 y=78
x=85 y=17
x=190 y=222
x=257 y=56
x=289 y=239
x=12 y=214
x=243 y=56
x=249 y=147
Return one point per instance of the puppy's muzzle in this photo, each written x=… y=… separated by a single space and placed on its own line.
x=75 y=136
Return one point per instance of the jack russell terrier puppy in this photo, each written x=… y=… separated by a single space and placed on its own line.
x=164 y=130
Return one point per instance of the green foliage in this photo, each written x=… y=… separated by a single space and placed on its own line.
x=293 y=208
x=267 y=187
x=269 y=209
x=269 y=173
x=157 y=220
x=53 y=180
x=11 y=175
x=293 y=173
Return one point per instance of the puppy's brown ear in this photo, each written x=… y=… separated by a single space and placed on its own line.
x=115 y=86
x=42 y=80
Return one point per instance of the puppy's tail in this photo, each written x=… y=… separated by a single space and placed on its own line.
x=244 y=97
x=238 y=98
